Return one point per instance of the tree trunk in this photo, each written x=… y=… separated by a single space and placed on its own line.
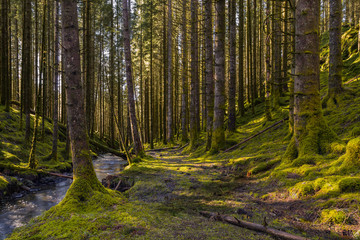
x=268 y=63
x=26 y=69
x=241 y=59
x=184 y=96
x=194 y=133
x=5 y=75
x=112 y=80
x=169 y=72
x=209 y=70
x=131 y=99
x=83 y=170
x=232 y=60
x=311 y=133
x=335 y=58
x=56 y=83
x=277 y=81
x=219 y=107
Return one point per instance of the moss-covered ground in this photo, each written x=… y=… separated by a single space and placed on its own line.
x=314 y=196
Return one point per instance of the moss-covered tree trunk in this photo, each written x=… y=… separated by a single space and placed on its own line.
x=335 y=59
x=83 y=170
x=311 y=133
x=268 y=64
x=218 y=138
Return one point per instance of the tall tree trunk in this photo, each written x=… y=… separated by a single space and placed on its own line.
x=194 y=133
x=277 y=81
x=83 y=170
x=26 y=72
x=131 y=99
x=209 y=70
x=218 y=138
x=5 y=75
x=112 y=80
x=169 y=72
x=335 y=58
x=241 y=59
x=232 y=60
x=184 y=96
x=268 y=63
x=56 y=83
x=311 y=133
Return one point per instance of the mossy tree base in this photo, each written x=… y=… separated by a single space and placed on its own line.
x=315 y=138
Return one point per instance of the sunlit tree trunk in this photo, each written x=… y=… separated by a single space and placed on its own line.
x=170 y=78
x=241 y=59
x=311 y=133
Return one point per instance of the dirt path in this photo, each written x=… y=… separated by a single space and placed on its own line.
x=186 y=186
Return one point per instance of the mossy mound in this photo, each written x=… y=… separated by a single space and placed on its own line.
x=349 y=185
x=333 y=216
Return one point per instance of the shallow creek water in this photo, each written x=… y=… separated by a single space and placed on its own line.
x=18 y=212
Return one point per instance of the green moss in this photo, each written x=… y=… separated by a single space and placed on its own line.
x=264 y=166
x=349 y=185
x=3 y=183
x=333 y=216
x=302 y=189
x=351 y=159
x=355 y=132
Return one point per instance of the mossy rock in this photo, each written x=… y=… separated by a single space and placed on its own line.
x=302 y=189
x=310 y=160
x=351 y=159
x=349 y=185
x=263 y=167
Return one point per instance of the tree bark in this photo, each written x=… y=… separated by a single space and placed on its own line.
x=131 y=99
x=268 y=63
x=26 y=69
x=56 y=83
x=194 y=133
x=219 y=107
x=241 y=60
x=83 y=170
x=311 y=133
x=335 y=58
x=232 y=63
x=169 y=72
x=209 y=70
x=184 y=96
x=5 y=75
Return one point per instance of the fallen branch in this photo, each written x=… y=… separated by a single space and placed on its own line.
x=251 y=226
x=255 y=135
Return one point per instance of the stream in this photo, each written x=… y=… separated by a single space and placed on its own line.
x=18 y=212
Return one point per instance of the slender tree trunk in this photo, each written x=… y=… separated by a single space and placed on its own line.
x=335 y=59
x=56 y=83
x=112 y=80
x=26 y=73
x=165 y=75
x=311 y=134
x=209 y=70
x=218 y=138
x=83 y=170
x=170 y=84
x=241 y=98
x=151 y=102
x=277 y=81
x=268 y=63
x=194 y=133
x=184 y=96
x=232 y=60
x=5 y=74
x=131 y=99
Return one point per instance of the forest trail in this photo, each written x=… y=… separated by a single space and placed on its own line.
x=184 y=186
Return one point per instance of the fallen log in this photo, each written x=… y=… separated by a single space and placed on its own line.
x=107 y=149
x=251 y=226
x=255 y=135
